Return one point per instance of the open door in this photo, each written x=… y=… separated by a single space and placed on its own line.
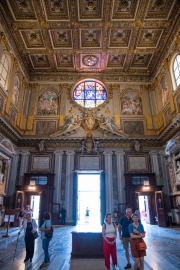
x=75 y=197
x=160 y=209
x=102 y=197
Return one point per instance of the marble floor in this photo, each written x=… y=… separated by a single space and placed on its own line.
x=163 y=250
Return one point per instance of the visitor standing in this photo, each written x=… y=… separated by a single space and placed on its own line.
x=87 y=215
x=123 y=228
x=109 y=234
x=29 y=226
x=63 y=216
x=137 y=234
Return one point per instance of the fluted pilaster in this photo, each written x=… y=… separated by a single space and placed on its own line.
x=58 y=175
x=69 y=185
x=120 y=176
x=109 y=182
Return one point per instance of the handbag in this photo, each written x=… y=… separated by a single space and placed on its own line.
x=49 y=234
x=35 y=235
x=142 y=246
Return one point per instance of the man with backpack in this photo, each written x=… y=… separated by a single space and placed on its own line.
x=123 y=228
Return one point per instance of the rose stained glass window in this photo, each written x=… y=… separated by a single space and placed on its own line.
x=89 y=94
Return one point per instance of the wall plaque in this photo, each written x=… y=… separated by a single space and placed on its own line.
x=137 y=163
x=89 y=163
x=41 y=163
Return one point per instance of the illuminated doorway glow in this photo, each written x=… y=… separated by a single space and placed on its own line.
x=89 y=196
x=35 y=203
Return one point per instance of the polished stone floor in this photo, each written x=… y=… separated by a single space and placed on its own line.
x=163 y=251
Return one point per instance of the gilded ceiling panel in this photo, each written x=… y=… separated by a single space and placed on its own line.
x=39 y=61
x=61 y=38
x=149 y=37
x=22 y=10
x=141 y=60
x=90 y=38
x=159 y=9
x=90 y=61
x=119 y=38
x=56 y=9
x=116 y=60
x=64 y=60
x=90 y=9
x=32 y=38
x=124 y=9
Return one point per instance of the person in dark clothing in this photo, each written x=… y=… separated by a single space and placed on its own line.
x=63 y=216
x=123 y=228
x=29 y=226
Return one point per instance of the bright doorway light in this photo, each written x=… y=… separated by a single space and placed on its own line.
x=89 y=196
x=35 y=202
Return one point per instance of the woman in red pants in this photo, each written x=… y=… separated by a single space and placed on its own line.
x=109 y=234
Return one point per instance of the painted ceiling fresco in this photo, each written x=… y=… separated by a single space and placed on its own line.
x=119 y=37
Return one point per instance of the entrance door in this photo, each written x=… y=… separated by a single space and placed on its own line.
x=88 y=198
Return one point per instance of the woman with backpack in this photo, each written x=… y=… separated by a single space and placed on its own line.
x=109 y=234
x=46 y=236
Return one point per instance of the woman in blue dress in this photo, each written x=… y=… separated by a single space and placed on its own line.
x=45 y=240
x=137 y=233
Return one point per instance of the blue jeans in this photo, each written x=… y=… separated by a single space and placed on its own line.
x=45 y=246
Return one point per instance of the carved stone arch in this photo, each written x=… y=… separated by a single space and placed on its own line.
x=7 y=146
x=47 y=102
x=131 y=102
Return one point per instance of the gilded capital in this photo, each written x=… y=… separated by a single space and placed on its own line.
x=64 y=86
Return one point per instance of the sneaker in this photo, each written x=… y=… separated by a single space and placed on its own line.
x=30 y=260
x=43 y=265
x=127 y=266
x=138 y=268
x=26 y=260
x=48 y=261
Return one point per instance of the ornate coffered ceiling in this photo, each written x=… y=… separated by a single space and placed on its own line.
x=104 y=37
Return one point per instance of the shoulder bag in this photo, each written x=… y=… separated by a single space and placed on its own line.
x=142 y=245
x=35 y=235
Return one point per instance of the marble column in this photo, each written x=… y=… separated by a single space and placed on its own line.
x=155 y=166
x=109 y=182
x=11 y=180
x=24 y=167
x=69 y=186
x=165 y=183
x=58 y=175
x=120 y=177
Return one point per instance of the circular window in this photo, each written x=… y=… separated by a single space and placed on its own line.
x=89 y=93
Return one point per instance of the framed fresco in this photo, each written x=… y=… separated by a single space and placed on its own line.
x=131 y=104
x=48 y=103
x=134 y=127
x=167 y=116
x=41 y=163
x=137 y=163
x=45 y=127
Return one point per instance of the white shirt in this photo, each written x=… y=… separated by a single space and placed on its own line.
x=110 y=230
